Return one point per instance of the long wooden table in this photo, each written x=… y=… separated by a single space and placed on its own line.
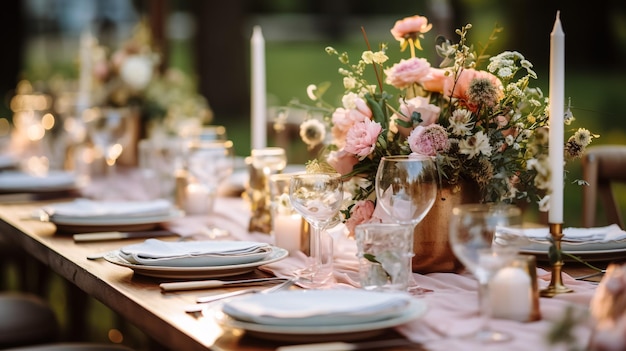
x=136 y=298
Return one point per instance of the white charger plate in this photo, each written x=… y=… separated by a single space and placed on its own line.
x=322 y=333
x=203 y=272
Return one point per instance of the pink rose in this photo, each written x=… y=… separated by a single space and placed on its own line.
x=361 y=212
x=407 y=72
x=344 y=118
x=410 y=27
x=342 y=161
x=428 y=112
x=429 y=141
x=361 y=138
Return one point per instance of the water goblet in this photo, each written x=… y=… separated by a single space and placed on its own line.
x=473 y=230
x=318 y=198
x=406 y=188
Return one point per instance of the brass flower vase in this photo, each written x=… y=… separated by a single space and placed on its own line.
x=431 y=244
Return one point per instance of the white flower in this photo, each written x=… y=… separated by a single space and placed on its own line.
x=349 y=82
x=136 y=71
x=461 y=122
x=310 y=92
x=475 y=145
x=312 y=132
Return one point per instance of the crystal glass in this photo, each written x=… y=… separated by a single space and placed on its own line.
x=406 y=188
x=263 y=162
x=318 y=198
x=473 y=230
x=384 y=251
x=209 y=163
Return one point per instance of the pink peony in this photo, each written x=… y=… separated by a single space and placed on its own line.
x=407 y=72
x=361 y=138
x=428 y=141
x=361 y=212
x=410 y=27
x=342 y=161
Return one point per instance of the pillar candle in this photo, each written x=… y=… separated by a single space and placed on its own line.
x=286 y=231
x=258 y=93
x=198 y=200
x=556 y=144
x=510 y=294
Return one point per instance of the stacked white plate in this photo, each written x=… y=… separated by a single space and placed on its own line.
x=17 y=181
x=195 y=259
x=295 y=315
x=85 y=215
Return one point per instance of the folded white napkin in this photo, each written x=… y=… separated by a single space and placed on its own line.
x=16 y=180
x=194 y=253
x=597 y=234
x=86 y=208
x=317 y=307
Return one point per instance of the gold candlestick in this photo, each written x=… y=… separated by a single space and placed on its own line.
x=556 y=282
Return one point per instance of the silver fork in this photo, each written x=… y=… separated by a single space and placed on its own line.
x=212 y=298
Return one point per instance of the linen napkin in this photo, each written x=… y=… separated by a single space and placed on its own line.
x=317 y=307
x=16 y=180
x=579 y=235
x=194 y=253
x=86 y=208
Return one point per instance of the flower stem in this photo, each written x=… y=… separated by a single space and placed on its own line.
x=367 y=42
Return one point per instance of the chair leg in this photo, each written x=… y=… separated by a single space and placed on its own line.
x=590 y=175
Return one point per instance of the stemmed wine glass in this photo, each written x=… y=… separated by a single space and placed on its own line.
x=107 y=127
x=318 y=198
x=473 y=230
x=406 y=188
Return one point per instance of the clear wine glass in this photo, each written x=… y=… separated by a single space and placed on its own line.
x=318 y=198
x=210 y=163
x=473 y=230
x=106 y=128
x=406 y=188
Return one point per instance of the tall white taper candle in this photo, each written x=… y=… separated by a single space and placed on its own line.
x=258 y=93
x=557 y=77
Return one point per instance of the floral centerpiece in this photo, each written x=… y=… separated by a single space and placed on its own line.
x=477 y=115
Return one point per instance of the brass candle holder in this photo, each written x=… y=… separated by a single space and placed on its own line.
x=556 y=281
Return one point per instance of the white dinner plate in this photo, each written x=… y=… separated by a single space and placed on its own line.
x=8 y=161
x=592 y=251
x=117 y=223
x=321 y=333
x=114 y=257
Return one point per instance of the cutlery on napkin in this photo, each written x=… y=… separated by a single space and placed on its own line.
x=186 y=253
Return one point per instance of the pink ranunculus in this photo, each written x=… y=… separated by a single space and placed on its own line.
x=344 y=118
x=407 y=72
x=428 y=112
x=361 y=212
x=342 y=161
x=361 y=138
x=428 y=141
x=410 y=26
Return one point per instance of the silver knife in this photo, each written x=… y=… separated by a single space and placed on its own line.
x=104 y=236
x=208 y=284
